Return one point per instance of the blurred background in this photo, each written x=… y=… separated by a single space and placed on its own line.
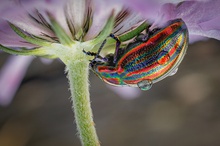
x=182 y=110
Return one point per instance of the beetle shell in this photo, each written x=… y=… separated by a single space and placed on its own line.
x=141 y=64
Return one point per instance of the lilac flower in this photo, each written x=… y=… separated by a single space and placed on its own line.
x=202 y=17
x=32 y=18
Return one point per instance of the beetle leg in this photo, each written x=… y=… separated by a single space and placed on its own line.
x=89 y=53
x=94 y=54
x=117 y=47
x=97 y=56
x=143 y=37
x=100 y=48
x=154 y=30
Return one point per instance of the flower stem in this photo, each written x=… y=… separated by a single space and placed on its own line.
x=78 y=77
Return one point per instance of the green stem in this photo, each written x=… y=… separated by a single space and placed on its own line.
x=78 y=77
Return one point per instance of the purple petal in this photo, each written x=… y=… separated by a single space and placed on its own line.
x=9 y=38
x=76 y=12
x=195 y=38
x=19 y=13
x=201 y=17
x=11 y=75
x=46 y=61
x=126 y=92
x=102 y=11
x=129 y=22
x=150 y=9
x=26 y=23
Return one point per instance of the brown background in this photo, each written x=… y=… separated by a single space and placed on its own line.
x=182 y=110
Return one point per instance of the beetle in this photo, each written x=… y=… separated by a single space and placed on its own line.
x=150 y=58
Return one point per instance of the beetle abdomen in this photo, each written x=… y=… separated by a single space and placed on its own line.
x=156 y=57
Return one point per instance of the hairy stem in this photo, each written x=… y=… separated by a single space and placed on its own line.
x=79 y=86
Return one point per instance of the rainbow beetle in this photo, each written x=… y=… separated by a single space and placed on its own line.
x=150 y=58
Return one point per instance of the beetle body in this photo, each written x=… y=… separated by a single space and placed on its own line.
x=143 y=63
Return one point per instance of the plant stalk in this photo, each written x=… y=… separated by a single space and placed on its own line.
x=78 y=72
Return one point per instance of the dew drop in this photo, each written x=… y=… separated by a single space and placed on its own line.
x=173 y=72
x=163 y=57
x=145 y=85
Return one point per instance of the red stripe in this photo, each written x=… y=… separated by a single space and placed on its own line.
x=153 y=76
x=106 y=69
x=146 y=69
